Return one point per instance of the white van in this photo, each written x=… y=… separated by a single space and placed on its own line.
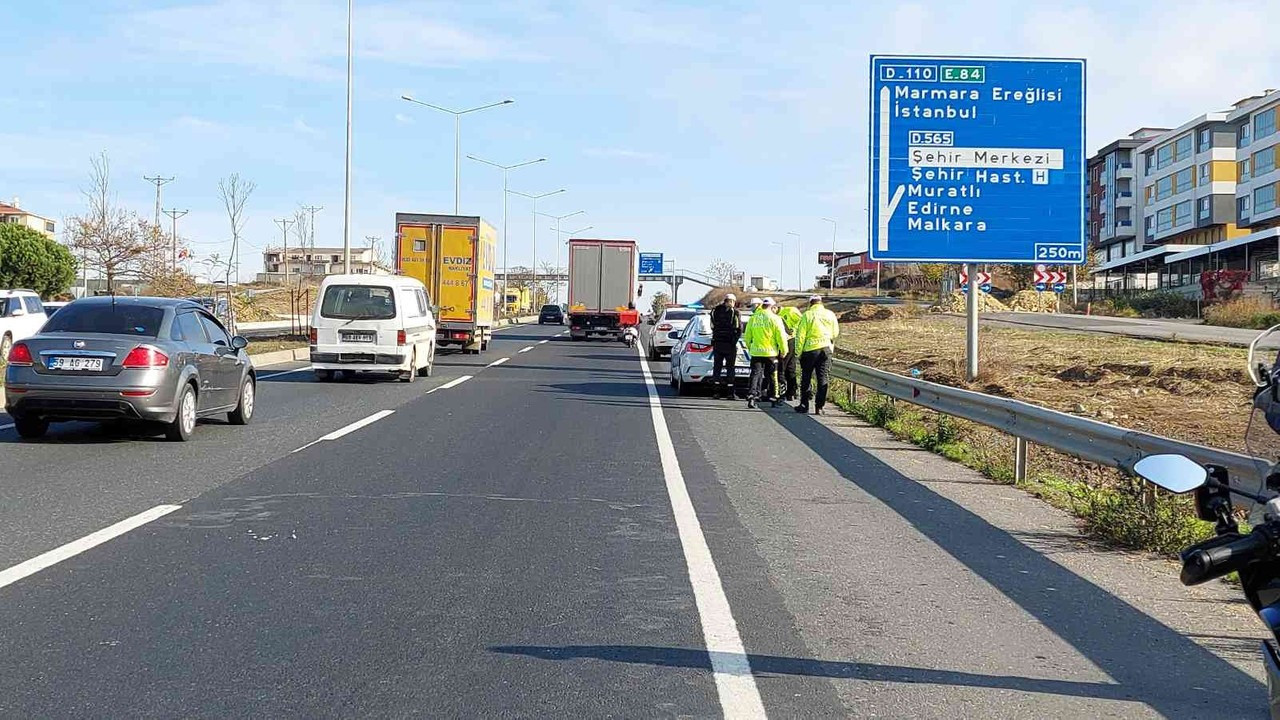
x=373 y=323
x=21 y=316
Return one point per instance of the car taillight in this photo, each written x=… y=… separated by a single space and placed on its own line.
x=145 y=357
x=137 y=393
x=401 y=338
x=664 y=327
x=314 y=336
x=699 y=347
x=20 y=354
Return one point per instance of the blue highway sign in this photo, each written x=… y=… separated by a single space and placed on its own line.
x=977 y=160
x=650 y=263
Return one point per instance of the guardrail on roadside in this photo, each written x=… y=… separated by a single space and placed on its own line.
x=1083 y=438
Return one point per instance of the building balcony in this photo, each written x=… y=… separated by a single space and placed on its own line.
x=1124 y=170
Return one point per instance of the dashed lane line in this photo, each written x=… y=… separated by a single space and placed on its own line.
x=348 y=429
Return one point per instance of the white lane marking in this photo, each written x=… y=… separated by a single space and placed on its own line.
x=6 y=427
x=283 y=372
x=455 y=383
x=348 y=429
x=527 y=349
x=75 y=547
x=497 y=362
x=543 y=342
x=736 y=686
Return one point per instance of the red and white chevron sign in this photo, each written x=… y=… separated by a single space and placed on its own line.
x=983 y=278
x=1049 y=277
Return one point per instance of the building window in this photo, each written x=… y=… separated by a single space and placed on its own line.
x=1182 y=213
x=1182 y=148
x=1264 y=124
x=1264 y=161
x=1182 y=180
x=1264 y=198
x=1164 y=156
x=1242 y=136
x=1164 y=220
x=1206 y=139
x=1204 y=173
x=1204 y=208
x=1242 y=170
x=1148 y=161
x=1164 y=187
x=48 y=226
x=1242 y=206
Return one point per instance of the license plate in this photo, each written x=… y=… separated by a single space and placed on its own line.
x=743 y=371
x=360 y=337
x=75 y=363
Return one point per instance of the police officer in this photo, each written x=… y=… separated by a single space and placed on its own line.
x=766 y=339
x=815 y=341
x=787 y=365
x=726 y=330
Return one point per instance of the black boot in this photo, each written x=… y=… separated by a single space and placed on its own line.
x=802 y=409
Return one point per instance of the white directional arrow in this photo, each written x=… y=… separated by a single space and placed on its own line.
x=887 y=204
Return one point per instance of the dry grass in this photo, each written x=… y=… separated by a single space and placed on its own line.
x=1198 y=393
x=1242 y=314
x=258 y=347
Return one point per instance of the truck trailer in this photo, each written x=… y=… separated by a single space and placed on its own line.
x=602 y=284
x=454 y=256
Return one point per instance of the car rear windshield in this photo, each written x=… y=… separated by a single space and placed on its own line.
x=358 y=302
x=550 y=308
x=680 y=314
x=113 y=319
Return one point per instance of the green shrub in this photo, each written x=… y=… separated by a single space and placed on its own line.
x=1164 y=303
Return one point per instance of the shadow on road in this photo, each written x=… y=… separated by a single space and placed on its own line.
x=1150 y=661
x=766 y=665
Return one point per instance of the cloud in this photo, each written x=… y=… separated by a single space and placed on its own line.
x=404 y=119
x=197 y=124
x=622 y=154
x=301 y=126
x=297 y=38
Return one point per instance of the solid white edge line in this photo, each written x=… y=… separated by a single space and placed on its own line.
x=497 y=362
x=736 y=686
x=268 y=376
x=6 y=427
x=455 y=382
x=527 y=349
x=357 y=425
x=75 y=547
x=543 y=342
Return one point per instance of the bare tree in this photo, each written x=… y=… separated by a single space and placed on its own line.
x=722 y=271
x=235 y=191
x=108 y=237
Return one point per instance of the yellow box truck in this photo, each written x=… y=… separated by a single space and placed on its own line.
x=454 y=256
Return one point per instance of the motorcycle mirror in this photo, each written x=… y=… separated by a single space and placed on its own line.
x=1259 y=373
x=1175 y=473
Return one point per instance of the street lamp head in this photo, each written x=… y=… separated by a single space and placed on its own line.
x=828 y=219
x=508 y=101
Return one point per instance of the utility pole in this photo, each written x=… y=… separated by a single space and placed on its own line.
x=284 y=224
x=159 y=183
x=174 y=214
x=373 y=241
x=311 y=228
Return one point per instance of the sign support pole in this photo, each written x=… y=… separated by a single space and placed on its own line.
x=971 y=324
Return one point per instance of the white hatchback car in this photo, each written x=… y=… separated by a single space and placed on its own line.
x=671 y=319
x=21 y=316
x=691 y=358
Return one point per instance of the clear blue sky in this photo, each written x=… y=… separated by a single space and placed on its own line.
x=702 y=130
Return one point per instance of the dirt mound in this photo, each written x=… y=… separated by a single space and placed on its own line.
x=1032 y=301
x=956 y=304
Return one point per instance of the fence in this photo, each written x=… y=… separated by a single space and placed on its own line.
x=1079 y=437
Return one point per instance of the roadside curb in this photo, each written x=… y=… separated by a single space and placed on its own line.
x=280 y=356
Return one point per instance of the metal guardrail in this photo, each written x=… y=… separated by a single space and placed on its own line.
x=1090 y=440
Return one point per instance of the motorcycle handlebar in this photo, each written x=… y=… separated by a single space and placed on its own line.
x=1207 y=563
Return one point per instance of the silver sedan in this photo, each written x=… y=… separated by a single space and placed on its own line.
x=160 y=360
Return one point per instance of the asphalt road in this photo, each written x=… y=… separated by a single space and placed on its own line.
x=554 y=537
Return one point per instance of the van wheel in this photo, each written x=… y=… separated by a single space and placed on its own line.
x=30 y=427
x=429 y=368
x=413 y=369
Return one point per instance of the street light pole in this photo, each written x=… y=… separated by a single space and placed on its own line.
x=558 y=218
x=457 y=138
x=831 y=282
x=535 y=199
x=799 y=262
x=346 y=183
x=506 y=271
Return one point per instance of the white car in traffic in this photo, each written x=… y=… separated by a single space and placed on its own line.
x=21 y=316
x=692 y=364
x=671 y=319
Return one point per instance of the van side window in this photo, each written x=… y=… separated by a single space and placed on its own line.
x=33 y=305
x=423 y=305
x=411 y=308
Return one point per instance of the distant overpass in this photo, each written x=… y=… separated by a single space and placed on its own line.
x=675 y=278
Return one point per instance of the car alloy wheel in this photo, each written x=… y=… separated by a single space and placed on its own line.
x=248 y=396
x=184 y=421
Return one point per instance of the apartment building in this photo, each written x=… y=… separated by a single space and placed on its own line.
x=1258 y=157
x=317 y=262
x=13 y=213
x=1115 y=197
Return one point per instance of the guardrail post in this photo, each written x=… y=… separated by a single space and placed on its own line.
x=1019 y=460
x=853 y=393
